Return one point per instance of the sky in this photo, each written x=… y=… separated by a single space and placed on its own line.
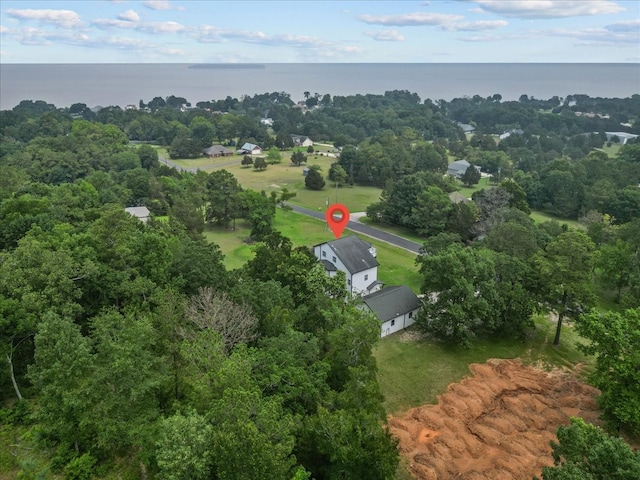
x=435 y=31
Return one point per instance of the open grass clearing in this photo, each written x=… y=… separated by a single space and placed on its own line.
x=231 y=243
x=541 y=217
x=481 y=185
x=397 y=266
x=413 y=371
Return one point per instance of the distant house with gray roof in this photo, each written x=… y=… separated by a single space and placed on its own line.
x=458 y=168
x=466 y=128
x=396 y=308
x=141 y=213
x=301 y=141
x=356 y=258
x=217 y=151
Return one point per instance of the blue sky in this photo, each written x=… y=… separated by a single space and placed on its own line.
x=444 y=31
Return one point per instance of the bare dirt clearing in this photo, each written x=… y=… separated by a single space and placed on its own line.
x=496 y=424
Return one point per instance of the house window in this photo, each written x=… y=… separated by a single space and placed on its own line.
x=366 y=277
x=410 y=314
x=334 y=259
x=348 y=282
x=393 y=322
x=324 y=254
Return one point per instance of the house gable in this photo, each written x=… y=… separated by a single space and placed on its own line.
x=354 y=257
x=396 y=308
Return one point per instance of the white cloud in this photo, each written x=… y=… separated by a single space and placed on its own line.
x=475 y=26
x=584 y=37
x=4 y=30
x=145 y=27
x=548 y=8
x=160 y=5
x=161 y=27
x=410 y=19
x=59 y=18
x=129 y=16
x=598 y=36
x=385 y=36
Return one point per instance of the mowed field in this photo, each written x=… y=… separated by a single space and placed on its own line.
x=289 y=176
x=397 y=266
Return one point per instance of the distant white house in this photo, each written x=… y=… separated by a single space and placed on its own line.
x=268 y=122
x=458 y=168
x=356 y=258
x=396 y=308
x=141 y=213
x=508 y=133
x=301 y=141
x=249 y=149
x=623 y=137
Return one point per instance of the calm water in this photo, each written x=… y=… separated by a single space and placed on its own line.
x=122 y=84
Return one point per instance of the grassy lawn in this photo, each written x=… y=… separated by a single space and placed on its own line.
x=540 y=217
x=482 y=184
x=396 y=265
x=414 y=372
x=612 y=151
x=231 y=243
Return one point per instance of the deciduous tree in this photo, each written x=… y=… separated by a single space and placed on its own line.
x=565 y=269
x=585 y=452
x=615 y=340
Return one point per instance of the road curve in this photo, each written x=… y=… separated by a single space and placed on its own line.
x=372 y=232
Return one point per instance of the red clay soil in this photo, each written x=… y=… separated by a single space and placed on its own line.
x=496 y=424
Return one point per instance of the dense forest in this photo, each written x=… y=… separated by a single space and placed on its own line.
x=128 y=346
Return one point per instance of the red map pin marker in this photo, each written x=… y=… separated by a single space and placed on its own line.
x=337 y=216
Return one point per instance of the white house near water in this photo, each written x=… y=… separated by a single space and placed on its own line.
x=356 y=258
x=396 y=308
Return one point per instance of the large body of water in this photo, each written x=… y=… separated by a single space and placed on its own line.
x=123 y=84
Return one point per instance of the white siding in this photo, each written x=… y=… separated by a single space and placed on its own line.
x=399 y=323
x=360 y=284
x=325 y=252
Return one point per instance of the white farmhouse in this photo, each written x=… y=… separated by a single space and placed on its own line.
x=396 y=308
x=356 y=258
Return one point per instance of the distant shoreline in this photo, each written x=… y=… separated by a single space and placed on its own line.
x=125 y=84
x=227 y=66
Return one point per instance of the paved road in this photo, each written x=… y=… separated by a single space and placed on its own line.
x=372 y=232
x=169 y=163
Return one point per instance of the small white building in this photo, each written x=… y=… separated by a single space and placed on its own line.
x=356 y=258
x=396 y=308
x=141 y=213
x=249 y=149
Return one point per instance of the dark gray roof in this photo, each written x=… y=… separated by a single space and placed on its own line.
x=373 y=284
x=328 y=266
x=391 y=302
x=354 y=253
